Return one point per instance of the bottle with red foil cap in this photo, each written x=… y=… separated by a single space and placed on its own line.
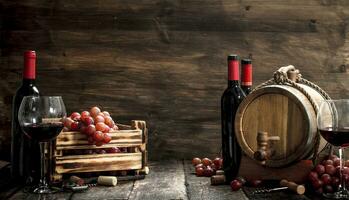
x=231 y=98
x=246 y=75
x=25 y=153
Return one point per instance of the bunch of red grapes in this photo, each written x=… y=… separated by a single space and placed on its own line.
x=207 y=167
x=94 y=123
x=324 y=178
x=97 y=151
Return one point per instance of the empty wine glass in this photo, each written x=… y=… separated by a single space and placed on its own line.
x=40 y=118
x=333 y=124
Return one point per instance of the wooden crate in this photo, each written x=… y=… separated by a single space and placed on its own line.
x=133 y=137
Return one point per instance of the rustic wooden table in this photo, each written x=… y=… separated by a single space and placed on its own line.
x=166 y=180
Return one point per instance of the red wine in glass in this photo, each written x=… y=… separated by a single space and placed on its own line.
x=43 y=132
x=336 y=136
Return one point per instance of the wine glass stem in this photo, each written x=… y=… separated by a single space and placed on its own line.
x=342 y=179
x=42 y=160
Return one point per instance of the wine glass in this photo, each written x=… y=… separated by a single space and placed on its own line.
x=333 y=125
x=40 y=118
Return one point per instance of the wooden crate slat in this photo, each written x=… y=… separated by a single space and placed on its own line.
x=89 y=156
x=92 y=146
x=130 y=137
x=123 y=161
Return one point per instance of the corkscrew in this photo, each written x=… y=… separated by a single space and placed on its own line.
x=269 y=190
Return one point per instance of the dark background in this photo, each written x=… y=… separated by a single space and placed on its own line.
x=165 y=61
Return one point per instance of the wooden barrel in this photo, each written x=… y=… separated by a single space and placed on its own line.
x=283 y=111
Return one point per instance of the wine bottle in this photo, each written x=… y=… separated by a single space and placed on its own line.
x=231 y=98
x=246 y=75
x=25 y=153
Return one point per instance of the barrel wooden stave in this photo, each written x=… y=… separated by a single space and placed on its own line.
x=283 y=111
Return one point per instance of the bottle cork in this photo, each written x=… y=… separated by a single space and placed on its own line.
x=219 y=172
x=299 y=189
x=217 y=180
x=107 y=180
x=77 y=180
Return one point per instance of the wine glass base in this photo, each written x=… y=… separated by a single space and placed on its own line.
x=343 y=194
x=43 y=189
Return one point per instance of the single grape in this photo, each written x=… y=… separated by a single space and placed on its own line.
x=75 y=116
x=87 y=120
x=100 y=151
x=317 y=184
x=99 y=118
x=206 y=161
x=98 y=136
x=94 y=111
x=107 y=138
x=65 y=129
x=113 y=150
x=345 y=170
x=216 y=162
x=106 y=129
x=196 y=161
x=90 y=129
x=235 y=185
x=330 y=169
x=116 y=127
x=82 y=128
x=208 y=171
x=336 y=162
x=67 y=122
x=100 y=126
x=106 y=114
x=326 y=179
x=101 y=114
x=213 y=167
x=312 y=176
x=327 y=162
x=199 y=171
x=75 y=126
x=109 y=121
x=199 y=165
x=85 y=114
x=242 y=180
x=320 y=169
x=88 y=151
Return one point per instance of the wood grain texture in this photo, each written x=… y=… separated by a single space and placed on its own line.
x=165 y=61
x=165 y=181
x=200 y=187
x=282 y=111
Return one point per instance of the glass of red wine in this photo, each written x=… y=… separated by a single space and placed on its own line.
x=40 y=118
x=333 y=125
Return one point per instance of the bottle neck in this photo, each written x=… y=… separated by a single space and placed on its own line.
x=246 y=78
x=29 y=71
x=26 y=81
x=233 y=83
x=233 y=70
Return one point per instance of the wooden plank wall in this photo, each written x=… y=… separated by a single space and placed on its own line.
x=164 y=61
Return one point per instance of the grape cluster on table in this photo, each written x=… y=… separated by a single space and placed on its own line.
x=94 y=123
x=325 y=177
x=207 y=168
